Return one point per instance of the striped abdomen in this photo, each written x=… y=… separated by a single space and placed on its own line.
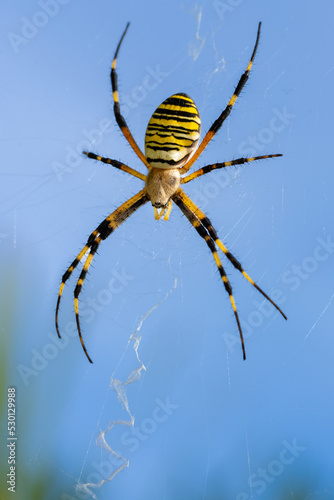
x=173 y=132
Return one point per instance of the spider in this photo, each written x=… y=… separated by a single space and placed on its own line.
x=171 y=141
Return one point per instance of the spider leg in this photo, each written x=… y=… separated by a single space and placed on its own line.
x=214 y=166
x=210 y=229
x=117 y=111
x=197 y=224
x=77 y=290
x=116 y=164
x=70 y=270
x=220 y=120
x=112 y=222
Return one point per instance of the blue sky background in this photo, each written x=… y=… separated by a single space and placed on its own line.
x=207 y=424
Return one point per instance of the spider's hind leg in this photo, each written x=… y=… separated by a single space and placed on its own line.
x=69 y=272
x=112 y=222
x=205 y=221
x=77 y=290
x=178 y=198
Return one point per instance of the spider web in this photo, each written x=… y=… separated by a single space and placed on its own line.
x=205 y=195
x=119 y=387
x=237 y=420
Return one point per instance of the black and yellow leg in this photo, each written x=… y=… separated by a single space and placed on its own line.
x=78 y=287
x=116 y=164
x=112 y=222
x=220 y=120
x=119 y=118
x=196 y=223
x=214 y=166
x=210 y=229
x=70 y=270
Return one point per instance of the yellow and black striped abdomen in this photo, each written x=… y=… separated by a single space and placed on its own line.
x=173 y=132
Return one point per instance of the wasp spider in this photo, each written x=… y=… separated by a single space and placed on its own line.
x=171 y=139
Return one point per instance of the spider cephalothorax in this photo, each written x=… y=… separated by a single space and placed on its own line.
x=171 y=140
x=161 y=185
